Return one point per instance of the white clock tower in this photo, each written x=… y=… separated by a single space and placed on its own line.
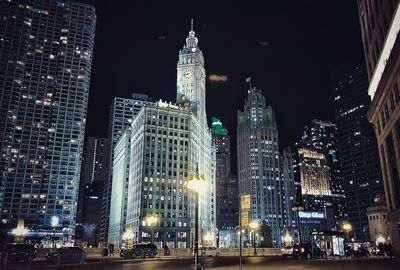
x=191 y=88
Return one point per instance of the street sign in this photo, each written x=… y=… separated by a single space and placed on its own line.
x=245 y=202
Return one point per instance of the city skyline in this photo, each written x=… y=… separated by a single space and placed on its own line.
x=306 y=51
x=198 y=130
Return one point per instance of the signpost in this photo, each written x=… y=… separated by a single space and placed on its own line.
x=245 y=203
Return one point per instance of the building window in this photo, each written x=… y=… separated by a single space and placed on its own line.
x=393 y=168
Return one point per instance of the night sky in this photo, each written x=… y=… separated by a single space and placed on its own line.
x=289 y=49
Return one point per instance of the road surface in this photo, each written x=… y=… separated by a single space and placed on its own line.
x=224 y=263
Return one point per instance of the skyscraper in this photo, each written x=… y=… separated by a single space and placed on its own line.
x=92 y=168
x=258 y=162
x=358 y=150
x=90 y=195
x=46 y=50
x=313 y=189
x=380 y=25
x=322 y=135
x=119 y=194
x=168 y=142
x=121 y=115
x=227 y=204
x=288 y=193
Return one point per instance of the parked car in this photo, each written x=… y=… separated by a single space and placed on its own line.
x=210 y=252
x=17 y=253
x=305 y=251
x=141 y=251
x=66 y=255
x=357 y=252
x=287 y=251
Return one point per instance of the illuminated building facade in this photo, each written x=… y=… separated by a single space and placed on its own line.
x=362 y=178
x=119 y=194
x=258 y=162
x=46 y=50
x=121 y=115
x=380 y=25
x=322 y=135
x=168 y=142
x=314 y=171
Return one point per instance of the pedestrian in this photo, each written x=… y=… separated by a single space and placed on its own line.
x=166 y=250
x=105 y=251
x=390 y=250
x=111 y=248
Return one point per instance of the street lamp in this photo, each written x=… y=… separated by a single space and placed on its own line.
x=347 y=228
x=254 y=226
x=20 y=231
x=287 y=239
x=127 y=236
x=297 y=209
x=150 y=221
x=196 y=183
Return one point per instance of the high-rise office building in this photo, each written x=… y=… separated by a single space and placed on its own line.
x=227 y=204
x=288 y=194
x=90 y=196
x=358 y=150
x=92 y=168
x=168 y=143
x=46 y=50
x=380 y=25
x=119 y=194
x=313 y=189
x=122 y=113
x=322 y=135
x=258 y=162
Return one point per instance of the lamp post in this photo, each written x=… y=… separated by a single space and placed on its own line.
x=297 y=209
x=150 y=221
x=254 y=226
x=347 y=228
x=196 y=183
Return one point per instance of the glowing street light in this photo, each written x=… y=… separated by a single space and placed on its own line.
x=254 y=226
x=127 y=236
x=347 y=228
x=288 y=238
x=20 y=231
x=150 y=221
x=380 y=239
x=197 y=183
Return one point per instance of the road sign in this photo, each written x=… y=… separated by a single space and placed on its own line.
x=245 y=202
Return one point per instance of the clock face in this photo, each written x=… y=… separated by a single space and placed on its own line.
x=188 y=74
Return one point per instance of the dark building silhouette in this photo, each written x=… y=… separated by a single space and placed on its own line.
x=358 y=149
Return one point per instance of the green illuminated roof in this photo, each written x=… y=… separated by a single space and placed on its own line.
x=217 y=128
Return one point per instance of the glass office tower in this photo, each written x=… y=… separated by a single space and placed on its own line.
x=46 y=50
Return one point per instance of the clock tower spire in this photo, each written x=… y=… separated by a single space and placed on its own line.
x=191 y=76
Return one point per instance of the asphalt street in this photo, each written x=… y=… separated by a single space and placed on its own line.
x=226 y=263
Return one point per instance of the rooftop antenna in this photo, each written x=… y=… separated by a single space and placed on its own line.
x=248 y=80
x=191 y=24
